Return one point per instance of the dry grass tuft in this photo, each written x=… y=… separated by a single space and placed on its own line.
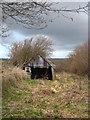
x=12 y=77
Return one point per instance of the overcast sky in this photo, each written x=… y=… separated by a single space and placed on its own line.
x=66 y=34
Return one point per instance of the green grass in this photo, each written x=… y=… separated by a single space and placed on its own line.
x=32 y=82
x=57 y=78
x=33 y=114
x=35 y=98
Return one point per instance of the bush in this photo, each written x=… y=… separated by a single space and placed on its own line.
x=22 y=53
x=79 y=58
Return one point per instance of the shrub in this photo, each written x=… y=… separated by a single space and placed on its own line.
x=30 y=48
x=79 y=58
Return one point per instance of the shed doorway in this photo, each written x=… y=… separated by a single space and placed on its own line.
x=45 y=73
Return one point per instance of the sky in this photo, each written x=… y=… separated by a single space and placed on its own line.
x=65 y=33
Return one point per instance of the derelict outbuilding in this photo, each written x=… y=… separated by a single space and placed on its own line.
x=40 y=67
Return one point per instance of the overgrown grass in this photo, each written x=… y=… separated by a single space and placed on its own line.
x=12 y=78
x=65 y=97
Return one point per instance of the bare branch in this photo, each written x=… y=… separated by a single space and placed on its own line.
x=36 y=14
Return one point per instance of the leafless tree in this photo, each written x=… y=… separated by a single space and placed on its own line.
x=79 y=58
x=23 y=52
x=36 y=14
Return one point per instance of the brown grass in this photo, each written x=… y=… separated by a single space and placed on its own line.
x=12 y=77
x=65 y=97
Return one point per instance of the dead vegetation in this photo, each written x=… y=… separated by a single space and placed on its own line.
x=79 y=64
x=65 y=97
x=12 y=77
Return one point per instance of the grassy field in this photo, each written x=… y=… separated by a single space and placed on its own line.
x=65 y=97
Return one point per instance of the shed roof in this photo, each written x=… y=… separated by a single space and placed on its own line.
x=48 y=61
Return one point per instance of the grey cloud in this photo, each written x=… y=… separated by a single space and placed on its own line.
x=66 y=34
